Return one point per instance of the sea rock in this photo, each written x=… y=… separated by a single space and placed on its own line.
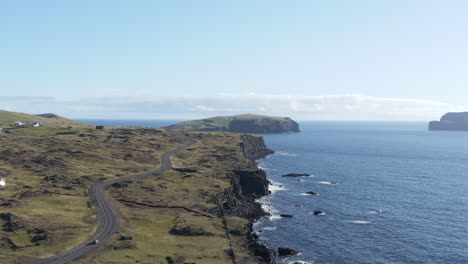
x=296 y=175
x=286 y=215
x=283 y=251
x=312 y=193
x=318 y=212
x=451 y=121
x=267 y=256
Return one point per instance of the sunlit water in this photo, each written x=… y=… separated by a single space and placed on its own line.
x=401 y=194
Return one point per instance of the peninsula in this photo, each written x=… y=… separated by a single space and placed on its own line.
x=451 y=121
x=248 y=123
x=77 y=193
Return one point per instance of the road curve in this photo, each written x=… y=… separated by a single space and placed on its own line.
x=108 y=222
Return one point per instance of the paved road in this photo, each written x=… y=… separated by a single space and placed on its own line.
x=108 y=222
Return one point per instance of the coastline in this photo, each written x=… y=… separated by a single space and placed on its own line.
x=255 y=150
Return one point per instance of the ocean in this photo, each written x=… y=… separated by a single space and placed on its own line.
x=401 y=192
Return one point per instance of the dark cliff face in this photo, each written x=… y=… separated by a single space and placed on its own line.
x=451 y=121
x=247 y=185
x=264 y=126
x=254 y=148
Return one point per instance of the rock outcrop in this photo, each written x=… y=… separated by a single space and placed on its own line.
x=12 y=222
x=252 y=124
x=451 y=121
x=247 y=185
x=254 y=148
x=282 y=251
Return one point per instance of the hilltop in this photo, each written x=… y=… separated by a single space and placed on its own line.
x=248 y=123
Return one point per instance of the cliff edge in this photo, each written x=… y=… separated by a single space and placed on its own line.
x=451 y=122
x=247 y=185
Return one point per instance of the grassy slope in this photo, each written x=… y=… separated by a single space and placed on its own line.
x=212 y=157
x=221 y=122
x=83 y=158
x=7 y=118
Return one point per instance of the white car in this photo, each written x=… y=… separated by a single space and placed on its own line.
x=95 y=241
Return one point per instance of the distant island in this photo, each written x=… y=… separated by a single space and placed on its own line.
x=451 y=121
x=248 y=123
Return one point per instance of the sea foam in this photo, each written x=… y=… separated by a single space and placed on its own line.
x=361 y=222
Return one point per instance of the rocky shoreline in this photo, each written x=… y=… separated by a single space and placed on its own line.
x=254 y=149
x=240 y=200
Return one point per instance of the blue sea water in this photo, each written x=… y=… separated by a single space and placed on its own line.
x=401 y=194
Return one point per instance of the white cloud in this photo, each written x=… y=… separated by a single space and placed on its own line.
x=326 y=107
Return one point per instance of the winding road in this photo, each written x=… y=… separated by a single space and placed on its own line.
x=108 y=222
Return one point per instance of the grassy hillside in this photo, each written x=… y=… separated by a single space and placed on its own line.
x=247 y=123
x=7 y=118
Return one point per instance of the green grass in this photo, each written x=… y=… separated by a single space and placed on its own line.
x=7 y=118
x=153 y=243
x=65 y=214
x=67 y=218
x=222 y=122
x=21 y=239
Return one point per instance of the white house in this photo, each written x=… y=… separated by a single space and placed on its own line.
x=2 y=182
x=36 y=124
x=18 y=123
x=1 y=130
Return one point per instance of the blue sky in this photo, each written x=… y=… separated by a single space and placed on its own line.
x=338 y=60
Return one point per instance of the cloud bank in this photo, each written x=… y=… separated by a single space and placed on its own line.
x=326 y=107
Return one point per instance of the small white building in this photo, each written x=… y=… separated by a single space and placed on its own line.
x=36 y=124
x=2 y=182
x=18 y=123
x=1 y=130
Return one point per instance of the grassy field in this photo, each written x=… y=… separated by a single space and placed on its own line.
x=222 y=123
x=176 y=199
x=48 y=172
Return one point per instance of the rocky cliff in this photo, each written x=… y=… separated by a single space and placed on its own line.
x=252 y=124
x=254 y=148
x=451 y=121
x=247 y=185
